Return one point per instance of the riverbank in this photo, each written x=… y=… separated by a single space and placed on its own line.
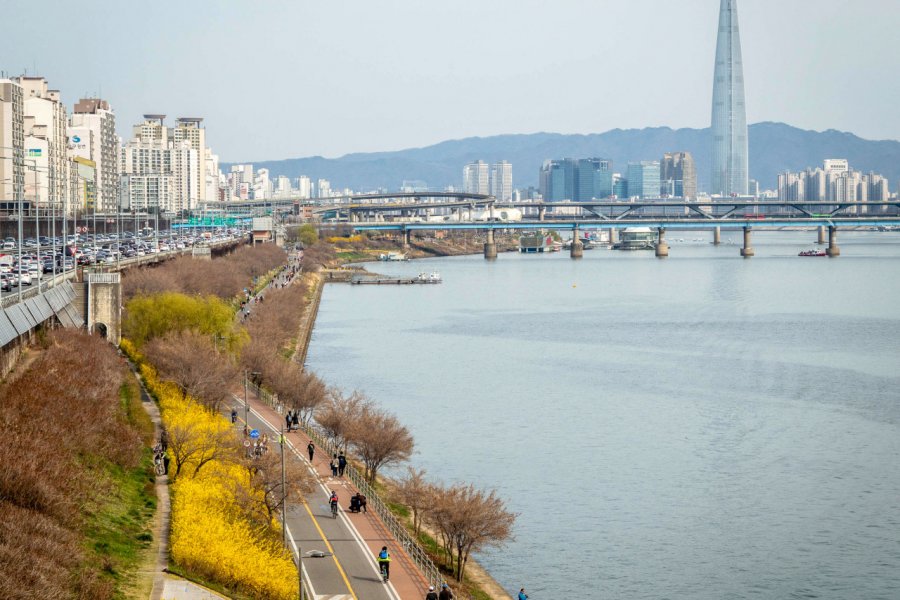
x=480 y=585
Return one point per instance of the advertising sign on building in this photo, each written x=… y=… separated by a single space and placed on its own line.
x=80 y=142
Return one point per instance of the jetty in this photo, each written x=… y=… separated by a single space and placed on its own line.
x=420 y=279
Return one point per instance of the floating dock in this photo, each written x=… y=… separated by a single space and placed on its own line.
x=420 y=280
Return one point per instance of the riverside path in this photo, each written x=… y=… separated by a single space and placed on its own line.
x=338 y=554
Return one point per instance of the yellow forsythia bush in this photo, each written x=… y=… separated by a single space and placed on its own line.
x=211 y=534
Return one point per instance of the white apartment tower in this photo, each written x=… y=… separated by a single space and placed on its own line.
x=304 y=187
x=46 y=143
x=188 y=129
x=501 y=181
x=12 y=142
x=95 y=116
x=476 y=178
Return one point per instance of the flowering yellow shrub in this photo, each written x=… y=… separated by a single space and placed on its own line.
x=212 y=535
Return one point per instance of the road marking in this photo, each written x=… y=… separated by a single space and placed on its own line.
x=330 y=549
x=304 y=575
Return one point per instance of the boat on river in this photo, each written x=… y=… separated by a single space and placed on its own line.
x=393 y=257
x=813 y=252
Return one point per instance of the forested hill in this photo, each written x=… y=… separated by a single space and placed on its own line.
x=774 y=147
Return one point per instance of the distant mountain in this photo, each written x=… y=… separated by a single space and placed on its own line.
x=774 y=147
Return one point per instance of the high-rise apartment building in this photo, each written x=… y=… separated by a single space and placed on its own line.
x=323 y=188
x=46 y=143
x=643 y=179
x=188 y=129
x=304 y=187
x=835 y=182
x=678 y=175
x=101 y=146
x=729 y=113
x=12 y=142
x=477 y=178
x=501 y=181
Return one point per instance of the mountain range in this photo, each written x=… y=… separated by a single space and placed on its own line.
x=774 y=147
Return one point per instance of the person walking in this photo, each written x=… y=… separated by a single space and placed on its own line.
x=311 y=449
x=522 y=594
x=295 y=420
x=445 y=594
x=233 y=415
x=431 y=595
x=287 y=420
x=342 y=464
x=334 y=466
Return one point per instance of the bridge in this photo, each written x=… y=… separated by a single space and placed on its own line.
x=661 y=216
x=344 y=204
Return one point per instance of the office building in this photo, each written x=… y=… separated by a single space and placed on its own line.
x=729 y=114
x=643 y=179
x=476 y=178
x=12 y=143
x=501 y=186
x=580 y=180
x=678 y=175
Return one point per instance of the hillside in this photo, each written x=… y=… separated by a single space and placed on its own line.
x=774 y=147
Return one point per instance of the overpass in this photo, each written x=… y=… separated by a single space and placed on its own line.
x=349 y=202
x=92 y=302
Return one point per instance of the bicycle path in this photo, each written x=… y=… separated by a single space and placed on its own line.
x=354 y=539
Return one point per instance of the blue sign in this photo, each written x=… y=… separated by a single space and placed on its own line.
x=76 y=139
x=254 y=433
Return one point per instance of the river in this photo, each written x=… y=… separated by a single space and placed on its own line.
x=701 y=426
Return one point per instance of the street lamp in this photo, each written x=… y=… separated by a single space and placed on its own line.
x=254 y=374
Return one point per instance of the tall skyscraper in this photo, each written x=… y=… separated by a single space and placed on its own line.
x=501 y=181
x=678 y=175
x=729 y=112
x=643 y=179
x=476 y=178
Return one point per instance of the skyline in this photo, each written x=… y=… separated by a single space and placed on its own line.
x=371 y=79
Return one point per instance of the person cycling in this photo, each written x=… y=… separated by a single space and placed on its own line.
x=384 y=562
x=333 y=501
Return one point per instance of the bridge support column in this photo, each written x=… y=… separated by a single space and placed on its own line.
x=490 y=248
x=747 y=250
x=613 y=235
x=542 y=212
x=407 y=238
x=717 y=235
x=832 y=249
x=821 y=239
x=577 y=250
x=662 y=248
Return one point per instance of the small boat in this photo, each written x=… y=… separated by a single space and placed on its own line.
x=433 y=277
x=812 y=253
x=393 y=257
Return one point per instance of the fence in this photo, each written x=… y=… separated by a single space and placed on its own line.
x=418 y=555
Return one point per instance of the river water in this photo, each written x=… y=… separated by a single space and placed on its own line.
x=702 y=426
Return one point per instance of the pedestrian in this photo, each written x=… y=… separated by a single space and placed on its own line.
x=311 y=449
x=342 y=464
x=295 y=419
x=522 y=595
x=362 y=502
x=165 y=458
x=287 y=420
x=431 y=595
x=233 y=415
x=334 y=466
x=445 y=594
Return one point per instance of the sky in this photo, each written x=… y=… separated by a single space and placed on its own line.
x=291 y=78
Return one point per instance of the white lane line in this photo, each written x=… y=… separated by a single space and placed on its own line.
x=306 y=579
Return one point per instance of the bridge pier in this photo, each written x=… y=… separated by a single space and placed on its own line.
x=490 y=248
x=821 y=239
x=747 y=250
x=542 y=212
x=407 y=238
x=662 y=248
x=577 y=250
x=613 y=235
x=832 y=250
x=717 y=235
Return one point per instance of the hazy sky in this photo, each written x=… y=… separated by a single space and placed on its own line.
x=280 y=79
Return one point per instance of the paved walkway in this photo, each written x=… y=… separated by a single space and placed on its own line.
x=175 y=588
x=338 y=554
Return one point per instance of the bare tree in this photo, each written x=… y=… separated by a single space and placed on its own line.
x=417 y=493
x=265 y=495
x=470 y=519
x=379 y=439
x=190 y=361
x=298 y=389
x=195 y=443
x=338 y=413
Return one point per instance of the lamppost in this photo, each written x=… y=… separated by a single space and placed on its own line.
x=254 y=374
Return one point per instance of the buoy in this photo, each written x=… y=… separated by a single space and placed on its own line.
x=574 y=285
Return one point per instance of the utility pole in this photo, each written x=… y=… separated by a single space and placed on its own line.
x=283 y=492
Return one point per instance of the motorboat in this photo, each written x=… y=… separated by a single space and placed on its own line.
x=814 y=252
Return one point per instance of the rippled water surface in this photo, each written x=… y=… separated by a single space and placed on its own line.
x=696 y=427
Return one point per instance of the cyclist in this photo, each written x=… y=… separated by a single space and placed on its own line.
x=334 y=502
x=384 y=563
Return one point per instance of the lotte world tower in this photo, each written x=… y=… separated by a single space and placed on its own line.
x=729 y=113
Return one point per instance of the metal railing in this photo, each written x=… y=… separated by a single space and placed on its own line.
x=412 y=547
x=46 y=282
